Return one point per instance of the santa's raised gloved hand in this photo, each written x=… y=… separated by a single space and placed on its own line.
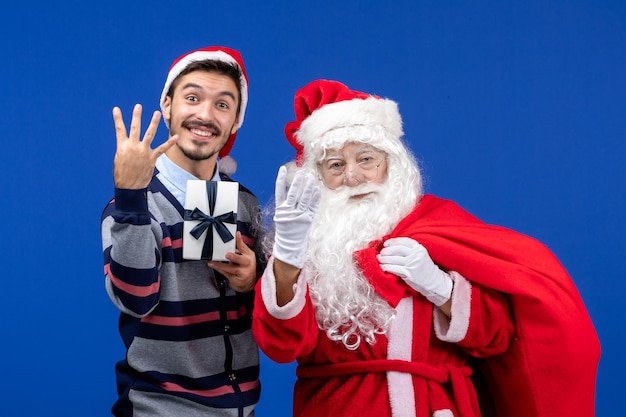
x=296 y=205
x=410 y=261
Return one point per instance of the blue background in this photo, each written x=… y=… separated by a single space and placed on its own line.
x=516 y=109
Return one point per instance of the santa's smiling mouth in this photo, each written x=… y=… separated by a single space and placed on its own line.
x=363 y=195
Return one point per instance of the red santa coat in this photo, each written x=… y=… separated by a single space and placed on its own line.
x=419 y=367
x=550 y=368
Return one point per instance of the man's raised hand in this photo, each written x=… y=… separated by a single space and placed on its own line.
x=134 y=161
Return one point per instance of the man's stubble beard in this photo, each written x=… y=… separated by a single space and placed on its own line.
x=197 y=154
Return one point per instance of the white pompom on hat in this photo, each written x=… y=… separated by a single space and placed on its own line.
x=213 y=53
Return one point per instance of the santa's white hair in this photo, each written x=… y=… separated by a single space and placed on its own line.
x=347 y=307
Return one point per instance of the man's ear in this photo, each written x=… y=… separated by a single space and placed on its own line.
x=167 y=108
x=235 y=126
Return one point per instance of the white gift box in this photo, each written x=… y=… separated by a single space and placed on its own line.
x=210 y=220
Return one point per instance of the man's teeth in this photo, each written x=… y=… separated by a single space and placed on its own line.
x=201 y=132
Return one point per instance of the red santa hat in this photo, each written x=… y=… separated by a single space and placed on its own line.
x=328 y=114
x=213 y=53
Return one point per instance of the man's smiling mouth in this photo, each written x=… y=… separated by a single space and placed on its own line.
x=202 y=133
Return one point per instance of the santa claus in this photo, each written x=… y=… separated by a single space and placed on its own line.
x=394 y=302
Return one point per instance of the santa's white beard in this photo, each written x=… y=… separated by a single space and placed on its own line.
x=347 y=307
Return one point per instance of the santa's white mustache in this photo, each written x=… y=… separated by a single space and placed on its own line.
x=359 y=190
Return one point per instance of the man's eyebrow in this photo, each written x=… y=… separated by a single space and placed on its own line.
x=196 y=86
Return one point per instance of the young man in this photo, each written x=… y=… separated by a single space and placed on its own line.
x=391 y=300
x=185 y=324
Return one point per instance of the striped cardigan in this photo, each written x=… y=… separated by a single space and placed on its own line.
x=190 y=349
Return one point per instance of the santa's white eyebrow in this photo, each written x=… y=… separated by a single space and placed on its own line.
x=334 y=154
x=367 y=148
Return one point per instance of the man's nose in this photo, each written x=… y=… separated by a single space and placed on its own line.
x=205 y=111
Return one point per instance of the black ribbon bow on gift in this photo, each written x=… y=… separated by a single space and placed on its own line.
x=209 y=221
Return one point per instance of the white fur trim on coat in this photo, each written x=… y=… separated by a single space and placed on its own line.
x=454 y=329
x=400 y=345
x=268 y=291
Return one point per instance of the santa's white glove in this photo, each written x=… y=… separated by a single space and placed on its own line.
x=410 y=261
x=295 y=208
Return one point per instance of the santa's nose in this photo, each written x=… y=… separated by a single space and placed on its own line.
x=351 y=178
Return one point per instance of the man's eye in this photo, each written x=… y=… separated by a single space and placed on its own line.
x=223 y=105
x=192 y=98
